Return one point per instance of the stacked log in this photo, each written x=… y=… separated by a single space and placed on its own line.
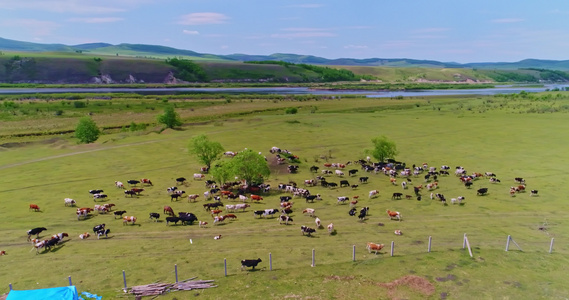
x=154 y=289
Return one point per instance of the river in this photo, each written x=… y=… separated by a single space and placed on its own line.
x=285 y=91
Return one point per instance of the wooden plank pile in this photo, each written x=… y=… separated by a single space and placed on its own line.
x=154 y=289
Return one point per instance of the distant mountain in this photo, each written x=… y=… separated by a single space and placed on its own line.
x=156 y=51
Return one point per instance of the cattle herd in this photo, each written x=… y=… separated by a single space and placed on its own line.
x=321 y=179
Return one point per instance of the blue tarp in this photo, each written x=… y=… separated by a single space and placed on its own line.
x=63 y=293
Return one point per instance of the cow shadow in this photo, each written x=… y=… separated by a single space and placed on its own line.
x=333 y=233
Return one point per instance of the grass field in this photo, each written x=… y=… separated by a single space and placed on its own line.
x=506 y=136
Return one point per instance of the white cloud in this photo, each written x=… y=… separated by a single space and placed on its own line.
x=302 y=32
x=190 y=32
x=507 y=20
x=355 y=47
x=35 y=27
x=203 y=18
x=95 y=20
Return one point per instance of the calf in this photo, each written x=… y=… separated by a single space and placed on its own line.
x=69 y=202
x=533 y=193
x=284 y=218
x=250 y=263
x=128 y=219
x=202 y=224
x=481 y=191
x=154 y=216
x=307 y=230
x=374 y=247
x=84 y=235
x=168 y=210
x=104 y=232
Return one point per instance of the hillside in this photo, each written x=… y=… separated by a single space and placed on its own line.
x=157 y=51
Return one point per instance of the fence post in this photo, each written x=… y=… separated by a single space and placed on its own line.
x=430 y=239
x=313 y=254
x=354 y=253
x=392 y=246
x=124 y=279
x=70 y=284
x=176 y=271
x=508 y=242
x=551 y=245
x=270 y=261
x=225 y=266
x=464 y=241
x=468 y=244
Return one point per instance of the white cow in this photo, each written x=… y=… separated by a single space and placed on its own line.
x=339 y=173
x=330 y=228
x=198 y=176
x=373 y=193
x=69 y=202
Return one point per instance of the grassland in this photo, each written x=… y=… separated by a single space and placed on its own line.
x=510 y=136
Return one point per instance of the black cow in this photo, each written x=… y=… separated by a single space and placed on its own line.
x=481 y=191
x=209 y=206
x=180 y=180
x=187 y=218
x=314 y=169
x=354 y=186
x=132 y=182
x=35 y=231
x=396 y=196
x=533 y=193
x=352 y=172
x=129 y=193
x=99 y=196
x=364 y=179
x=417 y=190
x=104 y=232
x=286 y=211
x=119 y=213
x=51 y=243
x=352 y=212
x=520 y=180
x=344 y=183
x=258 y=213
x=363 y=213
x=175 y=196
x=93 y=192
x=332 y=184
x=154 y=216
x=250 y=263
x=285 y=198
x=292 y=168
x=468 y=184
x=311 y=198
x=174 y=220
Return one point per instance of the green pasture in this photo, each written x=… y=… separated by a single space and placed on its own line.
x=509 y=136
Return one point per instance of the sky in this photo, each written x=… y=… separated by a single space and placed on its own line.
x=442 y=30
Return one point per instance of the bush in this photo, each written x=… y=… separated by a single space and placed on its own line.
x=87 y=130
x=79 y=104
x=170 y=118
x=291 y=110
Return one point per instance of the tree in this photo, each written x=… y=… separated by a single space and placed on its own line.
x=250 y=166
x=205 y=150
x=170 y=118
x=87 y=130
x=383 y=148
x=221 y=172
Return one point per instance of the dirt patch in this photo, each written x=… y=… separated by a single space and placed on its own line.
x=275 y=167
x=416 y=283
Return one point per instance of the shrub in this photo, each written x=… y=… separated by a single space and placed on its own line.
x=87 y=130
x=291 y=110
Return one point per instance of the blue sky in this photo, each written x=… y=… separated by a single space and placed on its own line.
x=459 y=31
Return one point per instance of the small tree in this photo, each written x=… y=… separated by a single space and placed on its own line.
x=170 y=118
x=205 y=150
x=250 y=166
x=87 y=130
x=383 y=148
